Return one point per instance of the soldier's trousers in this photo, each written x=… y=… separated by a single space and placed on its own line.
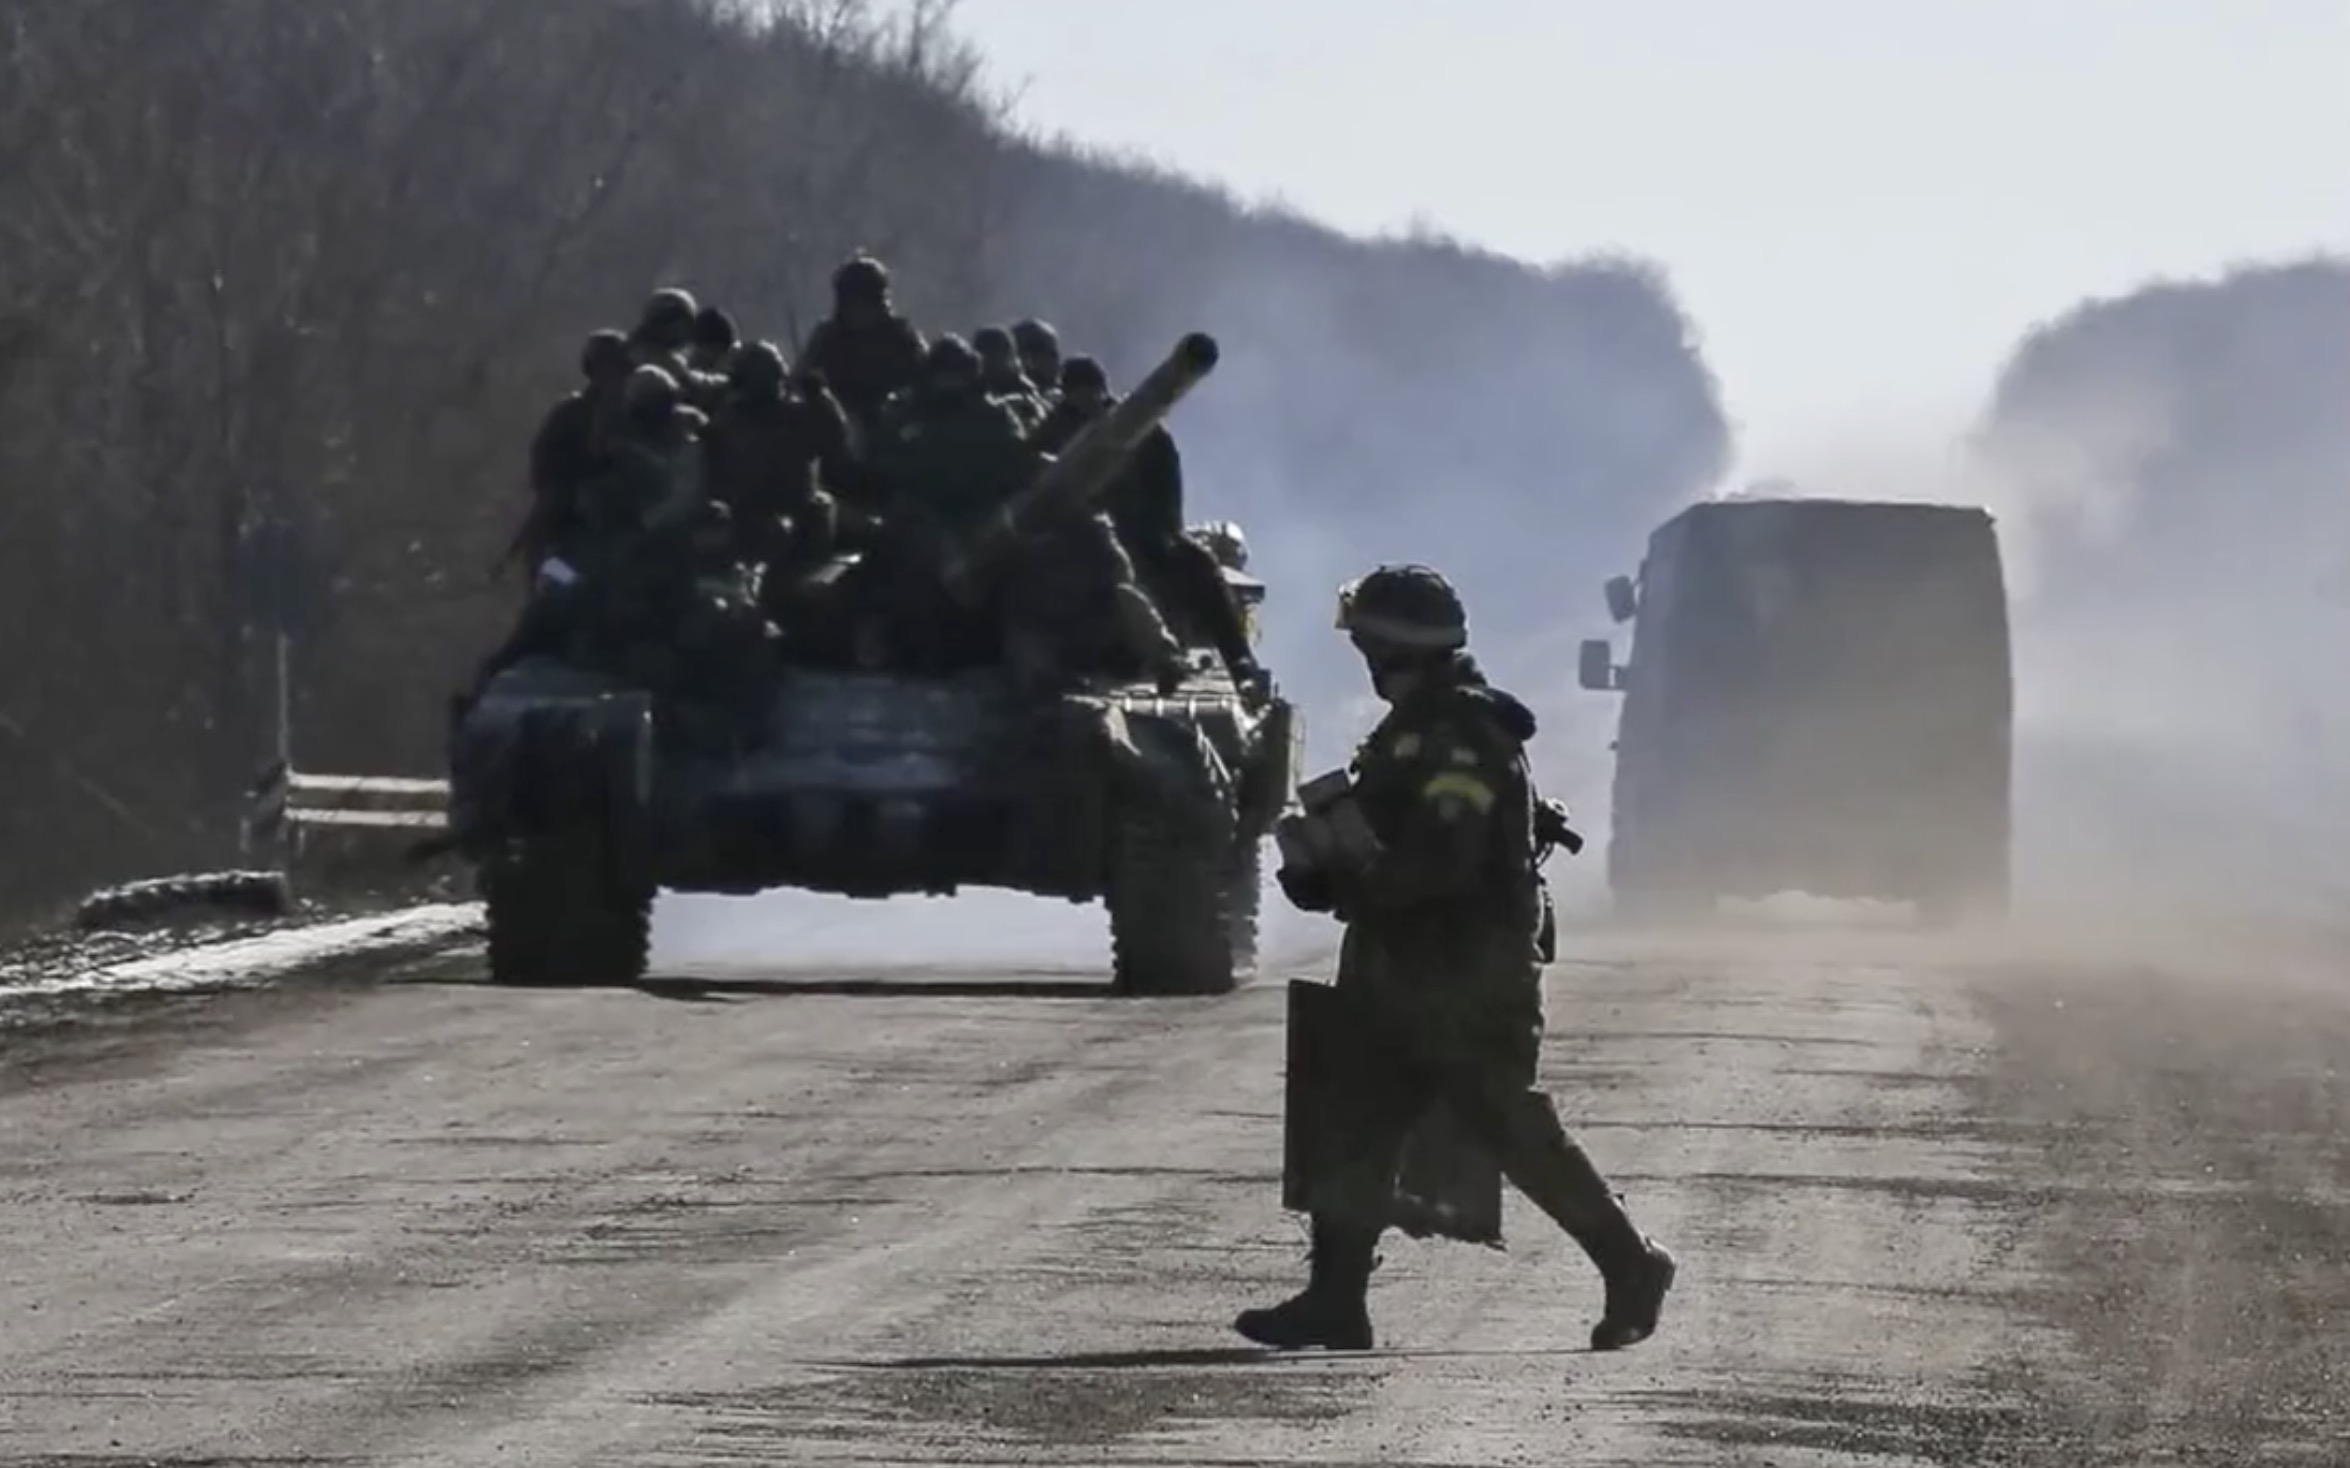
x=1382 y=1098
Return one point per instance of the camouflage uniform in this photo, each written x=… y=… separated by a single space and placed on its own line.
x=1039 y=348
x=657 y=479
x=609 y=590
x=866 y=352
x=766 y=448
x=669 y=599
x=1073 y=606
x=956 y=456
x=664 y=337
x=571 y=448
x=1145 y=504
x=714 y=343
x=1441 y=965
x=960 y=454
x=1000 y=376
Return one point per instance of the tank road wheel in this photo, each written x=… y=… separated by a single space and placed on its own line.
x=1174 y=924
x=562 y=913
x=1244 y=897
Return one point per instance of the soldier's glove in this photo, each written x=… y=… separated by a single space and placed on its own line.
x=1553 y=827
x=1307 y=890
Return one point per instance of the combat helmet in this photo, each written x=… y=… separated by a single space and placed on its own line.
x=757 y=370
x=713 y=330
x=1408 y=608
x=668 y=317
x=1036 y=338
x=604 y=356
x=994 y=345
x=651 y=394
x=950 y=356
x=861 y=278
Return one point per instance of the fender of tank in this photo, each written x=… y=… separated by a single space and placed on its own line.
x=579 y=799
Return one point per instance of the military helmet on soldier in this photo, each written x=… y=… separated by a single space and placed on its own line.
x=951 y=356
x=860 y=278
x=1035 y=338
x=1084 y=374
x=669 y=315
x=757 y=370
x=993 y=344
x=604 y=356
x=714 y=330
x=1039 y=348
x=651 y=393
x=1403 y=609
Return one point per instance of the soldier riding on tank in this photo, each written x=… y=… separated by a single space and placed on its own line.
x=956 y=456
x=1039 y=349
x=769 y=449
x=715 y=340
x=1000 y=375
x=1145 y=503
x=572 y=447
x=590 y=601
x=664 y=337
x=865 y=350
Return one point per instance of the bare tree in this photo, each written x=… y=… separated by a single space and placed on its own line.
x=287 y=287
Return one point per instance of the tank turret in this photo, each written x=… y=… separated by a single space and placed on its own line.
x=1100 y=451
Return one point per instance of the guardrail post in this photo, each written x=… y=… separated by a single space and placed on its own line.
x=266 y=822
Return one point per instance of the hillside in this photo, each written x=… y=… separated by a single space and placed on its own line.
x=322 y=266
x=2176 y=459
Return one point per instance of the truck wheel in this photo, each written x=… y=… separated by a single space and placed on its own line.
x=1172 y=923
x=560 y=913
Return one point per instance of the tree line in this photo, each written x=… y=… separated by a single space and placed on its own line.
x=284 y=289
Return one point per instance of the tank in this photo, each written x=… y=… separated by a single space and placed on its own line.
x=578 y=797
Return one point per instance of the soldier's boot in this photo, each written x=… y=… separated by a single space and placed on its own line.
x=1334 y=1310
x=1638 y=1272
x=1559 y=1178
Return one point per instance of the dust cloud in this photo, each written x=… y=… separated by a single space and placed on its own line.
x=2168 y=470
x=2177 y=461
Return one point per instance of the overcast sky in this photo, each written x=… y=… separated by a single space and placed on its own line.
x=1863 y=202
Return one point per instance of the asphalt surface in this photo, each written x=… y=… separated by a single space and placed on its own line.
x=1937 y=1203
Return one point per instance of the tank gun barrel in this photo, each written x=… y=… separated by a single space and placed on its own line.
x=1097 y=455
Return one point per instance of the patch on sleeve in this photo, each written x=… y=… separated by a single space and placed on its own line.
x=1460 y=785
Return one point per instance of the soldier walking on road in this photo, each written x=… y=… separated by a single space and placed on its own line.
x=1437 y=880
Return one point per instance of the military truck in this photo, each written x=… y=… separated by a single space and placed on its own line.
x=577 y=803
x=1818 y=699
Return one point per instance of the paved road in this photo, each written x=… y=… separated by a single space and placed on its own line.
x=1934 y=1207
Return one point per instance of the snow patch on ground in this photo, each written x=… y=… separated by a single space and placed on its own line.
x=244 y=960
x=981 y=928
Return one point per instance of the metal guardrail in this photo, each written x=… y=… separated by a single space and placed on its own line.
x=285 y=801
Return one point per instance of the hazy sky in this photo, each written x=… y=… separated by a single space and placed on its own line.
x=1863 y=202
